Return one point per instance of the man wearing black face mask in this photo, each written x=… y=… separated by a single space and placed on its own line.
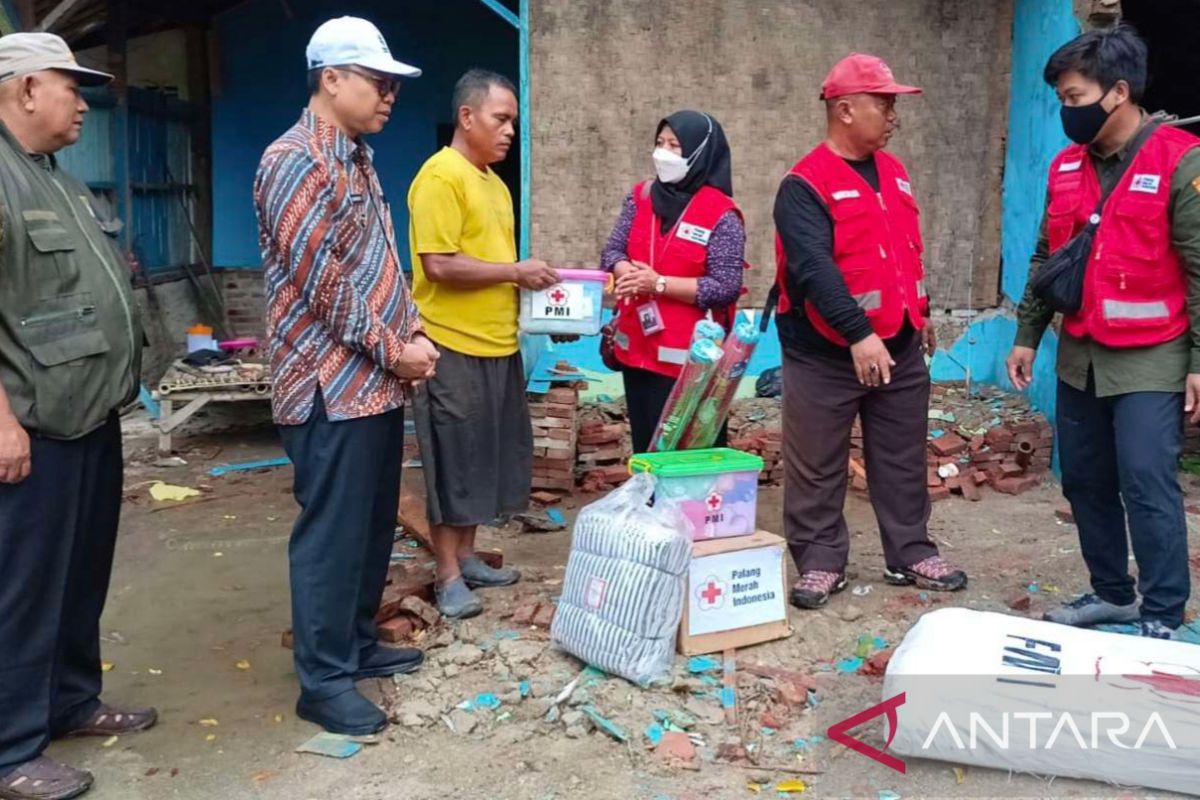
x=1130 y=357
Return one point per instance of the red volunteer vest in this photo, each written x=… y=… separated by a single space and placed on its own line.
x=682 y=252
x=876 y=242
x=1135 y=286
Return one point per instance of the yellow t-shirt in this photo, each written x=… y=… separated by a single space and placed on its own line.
x=455 y=208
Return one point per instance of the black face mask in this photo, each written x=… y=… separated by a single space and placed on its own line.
x=1082 y=124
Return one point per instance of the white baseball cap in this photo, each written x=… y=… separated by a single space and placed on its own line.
x=353 y=40
x=25 y=53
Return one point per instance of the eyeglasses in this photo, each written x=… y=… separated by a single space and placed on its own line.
x=383 y=85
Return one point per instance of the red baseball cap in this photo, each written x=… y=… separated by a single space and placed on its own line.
x=859 y=73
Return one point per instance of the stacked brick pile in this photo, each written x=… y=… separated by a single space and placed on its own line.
x=555 y=437
x=756 y=426
x=768 y=445
x=604 y=447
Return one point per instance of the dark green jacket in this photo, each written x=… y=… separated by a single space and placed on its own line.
x=70 y=338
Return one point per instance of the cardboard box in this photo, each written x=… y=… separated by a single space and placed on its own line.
x=736 y=594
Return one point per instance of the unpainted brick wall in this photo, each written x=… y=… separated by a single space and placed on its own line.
x=243 y=290
x=603 y=72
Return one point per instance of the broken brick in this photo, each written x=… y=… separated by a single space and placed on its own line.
x=954 y=483
x=545 y=498
x=544 y=615
x=1008 y=469
x=771 y=720
x=420 y=609
x=970 y=490
x=288 y=640
x=876 y=665
x=938 y=493
x=397 y=629
x=932 y=478
x=1016 y=485
x=525 y=613
x=949 y=445
x=676 y=748
x=1065 y=515
x=568 y=396
x=1020 y=601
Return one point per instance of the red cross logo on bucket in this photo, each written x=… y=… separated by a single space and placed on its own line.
x=713 y=502
x=558 y=296
x=710 y=594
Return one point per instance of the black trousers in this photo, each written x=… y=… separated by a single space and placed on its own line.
x=58 y=529
x=1120 y=457
x=821 y=396
x=348 y=486
x=646 y=394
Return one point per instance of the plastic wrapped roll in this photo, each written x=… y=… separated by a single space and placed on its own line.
x=707 y=329
x=689 y=389
x=714 y=406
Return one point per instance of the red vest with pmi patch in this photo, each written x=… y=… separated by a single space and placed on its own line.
x=1135 y=285
x=681 y=252
x=876 y=242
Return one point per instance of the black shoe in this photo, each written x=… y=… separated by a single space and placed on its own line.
x=814 y=588
x=1155 y=629
x=380 y=662
x=348 y=713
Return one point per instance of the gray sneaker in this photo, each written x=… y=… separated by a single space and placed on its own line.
x=479 y=575
x=1155 y=629
x=456 y=601
x=1089 y=609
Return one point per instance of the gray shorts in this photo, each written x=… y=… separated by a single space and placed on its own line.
x=476 y=441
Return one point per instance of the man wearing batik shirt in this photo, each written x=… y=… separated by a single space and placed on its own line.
x=346 y=345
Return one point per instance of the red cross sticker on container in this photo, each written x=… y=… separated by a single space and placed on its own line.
x=714 y=501
x=710 y=594
x=558 y=295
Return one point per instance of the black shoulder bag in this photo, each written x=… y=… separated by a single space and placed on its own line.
x=1059 y=280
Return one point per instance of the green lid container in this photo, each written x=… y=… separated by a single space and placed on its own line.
x=688 y=463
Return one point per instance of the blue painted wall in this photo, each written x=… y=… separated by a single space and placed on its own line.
x=260 y=92
x=1034 y=137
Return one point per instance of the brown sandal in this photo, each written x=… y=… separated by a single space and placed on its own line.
x=44 y=779
x=109 y=721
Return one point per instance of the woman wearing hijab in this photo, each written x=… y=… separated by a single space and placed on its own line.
x=677 y=253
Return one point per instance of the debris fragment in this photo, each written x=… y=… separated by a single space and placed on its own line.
x=791 y=787
x=603 y=724
x=243 y=665
x=110 y=741
x=331 y=745
x=162 y=492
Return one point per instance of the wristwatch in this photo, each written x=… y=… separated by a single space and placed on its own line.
x=660 y=285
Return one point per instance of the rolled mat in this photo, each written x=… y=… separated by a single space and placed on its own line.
x=718 y=396
x=689 y=389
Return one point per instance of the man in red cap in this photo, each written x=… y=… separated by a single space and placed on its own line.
x=853 y=324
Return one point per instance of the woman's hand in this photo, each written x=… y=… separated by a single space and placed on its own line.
x=640 y=280
x=623 y=268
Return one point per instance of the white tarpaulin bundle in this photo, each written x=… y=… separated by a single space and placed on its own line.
x=623 y=590
x=1030 y=696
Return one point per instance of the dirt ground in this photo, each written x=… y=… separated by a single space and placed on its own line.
x=198 y=589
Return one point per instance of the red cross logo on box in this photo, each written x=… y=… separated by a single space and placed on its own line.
x=558 y=296
x=710 y=594
x=714 y=502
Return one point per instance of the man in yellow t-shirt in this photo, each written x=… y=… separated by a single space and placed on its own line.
x=471 y=418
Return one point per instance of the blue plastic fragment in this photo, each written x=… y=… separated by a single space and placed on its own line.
x=936 y=434
x=556 y=516
x=710 y=680
x=609 y=727
x=813 y=699
x=487 y=700
x=654 y=732
x=523 y=686
x=848 y=665
x=880 y=644
x=728 y=697
x=698 y=664
x=768 y=731
x=216 y=472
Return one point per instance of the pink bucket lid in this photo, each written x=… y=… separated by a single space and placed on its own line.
x=597 y=275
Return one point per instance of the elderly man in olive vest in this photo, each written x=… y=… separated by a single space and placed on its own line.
x=70 y=351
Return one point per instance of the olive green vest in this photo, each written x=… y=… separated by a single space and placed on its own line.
x=70 y=338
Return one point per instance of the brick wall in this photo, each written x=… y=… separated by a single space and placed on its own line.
x=245 y=300
x=603 y=72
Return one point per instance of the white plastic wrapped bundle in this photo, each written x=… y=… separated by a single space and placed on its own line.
x=623 y=590
x=1018 y=694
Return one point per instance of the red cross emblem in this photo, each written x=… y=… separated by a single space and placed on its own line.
x=714 y=502
x=558 y=296
x=711 y=594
